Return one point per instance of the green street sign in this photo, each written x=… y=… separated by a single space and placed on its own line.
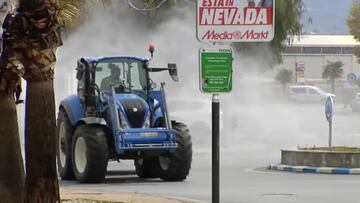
x=216 y=69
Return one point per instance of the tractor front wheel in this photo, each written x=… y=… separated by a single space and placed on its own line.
x=89 y=154
x=176 y=166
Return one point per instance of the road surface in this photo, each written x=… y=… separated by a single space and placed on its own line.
x=254 y=142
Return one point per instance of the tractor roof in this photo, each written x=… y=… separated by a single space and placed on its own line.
x=102 y=58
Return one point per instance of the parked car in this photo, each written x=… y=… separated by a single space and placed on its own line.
x=355 y=102
x=308 y=93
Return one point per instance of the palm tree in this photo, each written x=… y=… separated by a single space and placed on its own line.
x=31 y=37
x=12 y=169
x=70 y=12
x=333 y=71
x=284 y=76
x=37 y=54
x=12 y=178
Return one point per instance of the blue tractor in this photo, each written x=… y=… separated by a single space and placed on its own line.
x=116 y=114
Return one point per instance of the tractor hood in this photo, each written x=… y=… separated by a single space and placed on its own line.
x=134 y=110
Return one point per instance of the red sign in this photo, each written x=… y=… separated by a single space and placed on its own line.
x=235 y=20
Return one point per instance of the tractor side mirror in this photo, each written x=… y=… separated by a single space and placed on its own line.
x=80 y=72
x=80 y=68
x=173 y=71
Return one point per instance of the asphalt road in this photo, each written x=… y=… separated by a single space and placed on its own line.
x=239 y=183
x=253 y=141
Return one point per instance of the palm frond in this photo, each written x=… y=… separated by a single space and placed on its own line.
x=70 y=12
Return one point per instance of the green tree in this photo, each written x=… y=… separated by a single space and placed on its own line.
x=284 y=76
x=353 y=22
x=287 y=25
x=333 y=71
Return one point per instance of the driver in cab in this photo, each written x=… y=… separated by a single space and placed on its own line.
x=113 y=78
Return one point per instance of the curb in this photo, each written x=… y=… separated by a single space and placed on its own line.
x=311 y=169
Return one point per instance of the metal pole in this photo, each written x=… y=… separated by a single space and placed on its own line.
x=330 y=134
x=215 y=149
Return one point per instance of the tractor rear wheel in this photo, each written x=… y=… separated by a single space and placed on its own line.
x=64 y=131
x=176 y=166
x=89 y=154
x=147 y=167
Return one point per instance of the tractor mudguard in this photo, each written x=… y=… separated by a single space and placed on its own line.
x=158 y=114
x=73 y=109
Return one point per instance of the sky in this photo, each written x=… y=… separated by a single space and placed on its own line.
x=326 y=16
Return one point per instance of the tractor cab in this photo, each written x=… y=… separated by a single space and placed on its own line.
x=96 y=76
x=117 y=91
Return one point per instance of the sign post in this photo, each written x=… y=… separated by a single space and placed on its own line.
x=215 y=77
x=215 y=149
x=227 y=21
x=329 y=105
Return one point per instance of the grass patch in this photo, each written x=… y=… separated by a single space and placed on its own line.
x=333 y=149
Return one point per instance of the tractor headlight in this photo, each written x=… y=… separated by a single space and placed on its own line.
x=123 y=123
x=147 y=121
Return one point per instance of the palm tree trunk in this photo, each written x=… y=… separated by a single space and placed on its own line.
x=333 y=86
x=40 y=143
x=11 y=163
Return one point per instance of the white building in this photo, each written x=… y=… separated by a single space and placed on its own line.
x=315 y=50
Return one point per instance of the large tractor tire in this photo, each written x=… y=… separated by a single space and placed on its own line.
x=147 y=167
x=176 y=166
x=64 y=131
x=89 y=154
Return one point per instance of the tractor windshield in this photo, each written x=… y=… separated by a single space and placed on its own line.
x=127 y=75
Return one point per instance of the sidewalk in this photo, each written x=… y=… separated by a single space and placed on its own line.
x=66 y=194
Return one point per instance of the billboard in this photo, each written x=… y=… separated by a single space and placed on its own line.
x=235 y=20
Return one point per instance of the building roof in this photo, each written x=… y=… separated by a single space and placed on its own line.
x=325 y=40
